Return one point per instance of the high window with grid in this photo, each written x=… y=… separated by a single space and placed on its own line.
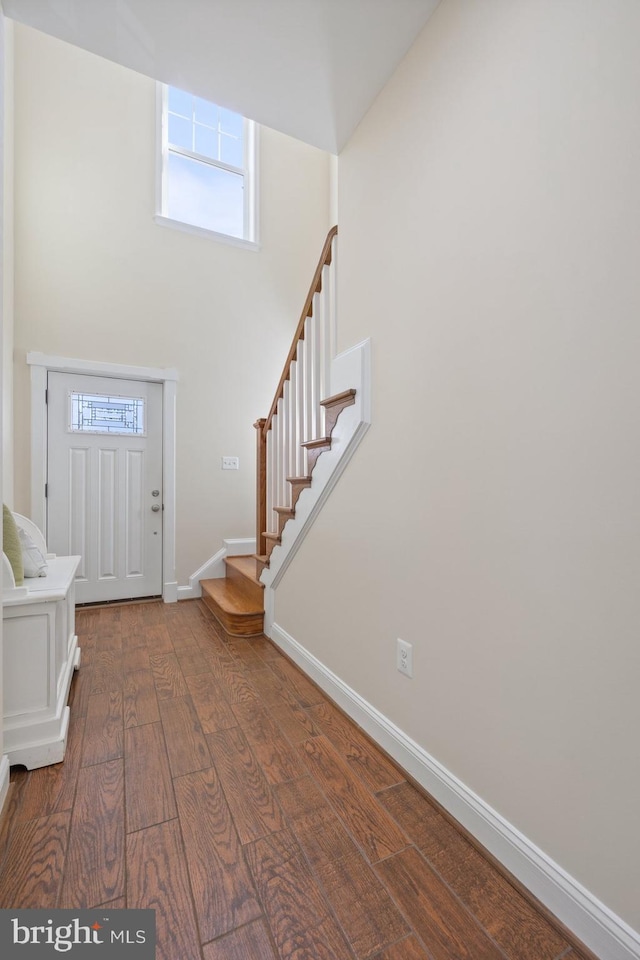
x=208 y=166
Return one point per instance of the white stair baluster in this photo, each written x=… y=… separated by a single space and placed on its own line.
x=286 y=441
x=293 y=421
x=270 y=477
x=299 y=459
x=308 y=389
x=316 y=395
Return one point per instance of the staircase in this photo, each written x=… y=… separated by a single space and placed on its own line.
x=290 y=440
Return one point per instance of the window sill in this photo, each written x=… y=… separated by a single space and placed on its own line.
x=207 y=234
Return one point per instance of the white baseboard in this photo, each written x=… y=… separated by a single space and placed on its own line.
x=579 y=910
x=214 y=567
x=170 y=592
x=4 y=780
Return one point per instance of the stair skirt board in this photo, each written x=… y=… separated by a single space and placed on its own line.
x=591 y=921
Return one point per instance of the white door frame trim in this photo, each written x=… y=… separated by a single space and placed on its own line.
x=41 y=364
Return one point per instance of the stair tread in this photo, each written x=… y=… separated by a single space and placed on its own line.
x=318 y=442
x=298 y=479
x=347 y=397
x=285 y=510
x=246 y=566
x=272 y=535
x=230 y=598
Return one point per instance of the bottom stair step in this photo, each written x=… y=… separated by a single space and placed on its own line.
x=234 y=611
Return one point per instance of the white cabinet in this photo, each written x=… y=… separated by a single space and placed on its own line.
x=40 y=653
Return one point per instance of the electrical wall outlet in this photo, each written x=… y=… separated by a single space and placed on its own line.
x=230 y=463
x=404 y=658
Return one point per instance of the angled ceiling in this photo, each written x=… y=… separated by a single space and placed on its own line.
x=310 y=68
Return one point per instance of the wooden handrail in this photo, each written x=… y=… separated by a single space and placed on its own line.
x=316 y=286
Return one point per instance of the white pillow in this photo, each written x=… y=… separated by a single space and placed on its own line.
x=35 y=564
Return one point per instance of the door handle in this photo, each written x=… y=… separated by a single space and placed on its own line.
x=155 y=507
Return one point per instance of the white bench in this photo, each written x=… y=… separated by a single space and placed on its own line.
x=40 y=653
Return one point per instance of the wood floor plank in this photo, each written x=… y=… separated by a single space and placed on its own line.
x=252 y=804
x=265 y=648
x=14 y=801
x=447 y=929
x=140 y=701
x=119 y=904
x=251 y=942
x=192 y=662
x=294 y=722
x=135 y=659
x=279 y=760
x=149 y=789
x=268 y=687
x=504 y=913
x=106 y=673
x=157 y=639
x=103 y=732
x=52 y=788
x=292 y=718
x=132 y=620
x=221 y=883
x=81 y=687
x=211 y=706
x=186 y=744
x=299 y=916
x=182 y=638
x=232 y=676
x=167 y=676
x=94 y=871
x=304 y=691
x=368 y=916
x=371 y=825
x=245 y=652
x=32 y=869
x=157 y=880
x=86 y=619
x=371 y=765
x=408 y=949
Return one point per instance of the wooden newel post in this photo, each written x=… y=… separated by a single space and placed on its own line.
x=261 y=487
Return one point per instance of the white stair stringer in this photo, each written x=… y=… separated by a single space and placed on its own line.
x=351 y=369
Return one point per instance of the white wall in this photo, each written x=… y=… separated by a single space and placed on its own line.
x=489 y=239
x=97 y=279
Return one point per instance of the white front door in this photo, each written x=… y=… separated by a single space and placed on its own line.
x=104 y=483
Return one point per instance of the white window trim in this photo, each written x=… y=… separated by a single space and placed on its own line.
x=251 y=207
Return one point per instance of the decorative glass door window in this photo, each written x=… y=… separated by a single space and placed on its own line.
x=90 y=413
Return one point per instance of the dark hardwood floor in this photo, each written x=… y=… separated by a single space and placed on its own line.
x=207 y=778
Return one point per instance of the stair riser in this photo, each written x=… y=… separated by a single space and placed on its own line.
x=250 y=590
x=236 y=625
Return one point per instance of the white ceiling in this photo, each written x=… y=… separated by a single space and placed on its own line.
x=310 y=68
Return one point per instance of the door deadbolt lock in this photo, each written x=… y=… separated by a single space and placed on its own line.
x=155 y=507
x=155 y=493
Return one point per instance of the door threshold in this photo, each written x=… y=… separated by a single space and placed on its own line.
x=115 y=603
